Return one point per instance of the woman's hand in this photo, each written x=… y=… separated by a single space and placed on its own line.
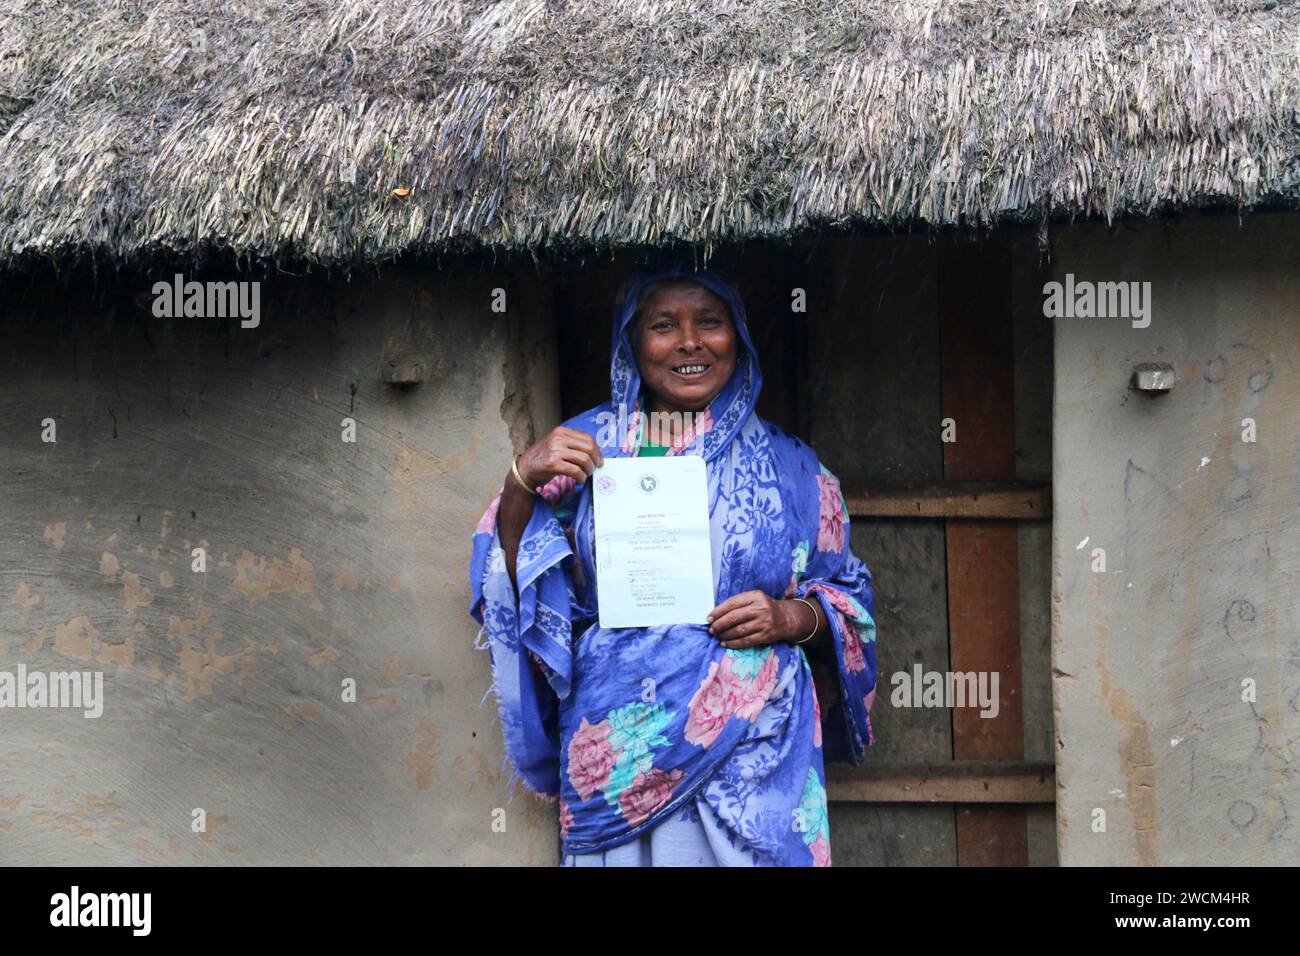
x=751 y=619
x=564 y=451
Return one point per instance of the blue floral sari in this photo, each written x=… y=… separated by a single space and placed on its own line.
x=627 y=726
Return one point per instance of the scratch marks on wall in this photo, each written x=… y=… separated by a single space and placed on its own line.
x=1238 y=611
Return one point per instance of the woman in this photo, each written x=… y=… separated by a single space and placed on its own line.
x=684 y=744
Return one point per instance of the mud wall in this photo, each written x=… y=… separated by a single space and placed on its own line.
x=327 y=560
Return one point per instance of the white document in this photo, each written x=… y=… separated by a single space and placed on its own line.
x=654 y=564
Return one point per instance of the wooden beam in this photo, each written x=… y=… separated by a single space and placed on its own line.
x=960 y=782
x=1015 y=500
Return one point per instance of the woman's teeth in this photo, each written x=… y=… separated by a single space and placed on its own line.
x=691 y=369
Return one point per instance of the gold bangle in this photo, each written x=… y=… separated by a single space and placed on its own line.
x=514 y=470
x=817 y=620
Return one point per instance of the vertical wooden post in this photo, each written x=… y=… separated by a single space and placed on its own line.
x=983 y=577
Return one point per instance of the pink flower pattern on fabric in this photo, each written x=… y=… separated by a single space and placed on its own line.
x=566 y=818
x=724 y=694
x=633 y=432
x=821 y=851
x=711 y=707
x=853 y=656
x=753 y=695
x=557 y=489
x=695 y=425
x=647 y=793
x=591 y=758
x=690 y=432
x=830 y=525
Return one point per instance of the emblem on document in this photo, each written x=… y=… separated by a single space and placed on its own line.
x=649 y=483
x=605 y=484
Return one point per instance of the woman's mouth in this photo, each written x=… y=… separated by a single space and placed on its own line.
x=691 y=371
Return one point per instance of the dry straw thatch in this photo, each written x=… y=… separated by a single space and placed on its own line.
x=295 y=128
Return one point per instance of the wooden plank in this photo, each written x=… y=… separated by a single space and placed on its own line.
x=983 y=556
x=1014 y=500
x=873 y=343
x=958 y=782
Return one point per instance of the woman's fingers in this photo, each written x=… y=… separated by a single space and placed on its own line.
x=588 y=444
x=744 y=620
x=743 y=599
x=560 y=459
x=567 y=468
x=578 y=439
x=730 y=619
x=581 y=449
x=753 y=625
x=580 y=458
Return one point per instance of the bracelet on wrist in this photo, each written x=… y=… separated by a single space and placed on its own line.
x=817 y=620
x=514 y=470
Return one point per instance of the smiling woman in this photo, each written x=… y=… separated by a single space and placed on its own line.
x=685 y=345
x=681 y=744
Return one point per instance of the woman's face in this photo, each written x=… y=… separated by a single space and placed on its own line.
x=685 y=345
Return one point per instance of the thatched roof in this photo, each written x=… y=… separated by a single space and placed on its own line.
x=123 y=131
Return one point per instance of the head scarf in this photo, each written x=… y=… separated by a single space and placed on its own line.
x=730 y=408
